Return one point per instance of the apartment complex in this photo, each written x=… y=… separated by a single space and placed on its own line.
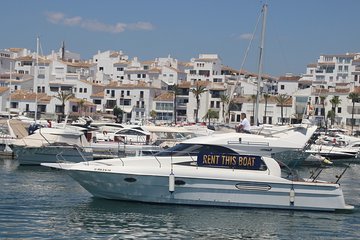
x=164 y=89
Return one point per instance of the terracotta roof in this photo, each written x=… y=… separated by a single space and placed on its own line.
x=114 y=54
x=15 y=49
x=350 y=55
x=148 y=62
x=121 y=62
x=78 y=100
x=326 y=64
x=289 y=79
x=118 y=85
x=167 y=96
x=25 y=95
x=312 y=65
x=3 y=89
x=356 y=90
x=24 y=58
x=100 y=94
x=78 y=64
x=184 y=84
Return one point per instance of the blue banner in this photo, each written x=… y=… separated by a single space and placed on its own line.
x=230 y=161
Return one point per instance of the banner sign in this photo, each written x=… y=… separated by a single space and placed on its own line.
x=230 y=161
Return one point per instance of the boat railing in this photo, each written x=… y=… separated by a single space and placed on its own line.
x=249 y=143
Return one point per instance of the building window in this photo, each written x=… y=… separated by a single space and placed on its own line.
x=339 y=110
x=282 y=87
x=85 y=90
x=101 y=68
x=80 y=90
x=127 y=93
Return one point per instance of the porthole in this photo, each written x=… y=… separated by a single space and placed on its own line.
x=130 y=179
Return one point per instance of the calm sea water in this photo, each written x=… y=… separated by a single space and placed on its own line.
x=40 y=203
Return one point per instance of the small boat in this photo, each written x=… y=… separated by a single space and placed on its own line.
x=333 y=152
x=52 y=145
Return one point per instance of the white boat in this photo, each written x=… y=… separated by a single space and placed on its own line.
x=204 y=174
x=335 y=152
x=52 y=145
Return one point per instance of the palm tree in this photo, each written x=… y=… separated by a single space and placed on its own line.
x=281 y=100
x=175 y=91
x=335 y=101
x=81 y=105
x=322 y=100
x=253 y=98
x=266 y=97
x=224 y=99
x=64 y=96
x=331 y=115
x=153 y=115
x=197 y=91
x=354 y=97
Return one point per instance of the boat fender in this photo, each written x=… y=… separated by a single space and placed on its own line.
x=292 y=196
x=171 y=182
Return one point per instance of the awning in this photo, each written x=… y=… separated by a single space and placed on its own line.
x=127 y=109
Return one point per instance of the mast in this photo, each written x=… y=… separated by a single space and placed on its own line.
x=36 y=76
x=10 y=90
x=264 y=11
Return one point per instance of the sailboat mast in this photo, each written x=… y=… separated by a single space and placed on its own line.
x=10 y=90
x=36 y=76
x=256 y=113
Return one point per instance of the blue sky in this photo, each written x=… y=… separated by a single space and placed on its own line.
x=297 y=31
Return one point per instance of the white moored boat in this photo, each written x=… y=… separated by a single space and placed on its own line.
x=52 y=145
x=204 y=174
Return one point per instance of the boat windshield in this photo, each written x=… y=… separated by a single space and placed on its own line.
x=185 y=149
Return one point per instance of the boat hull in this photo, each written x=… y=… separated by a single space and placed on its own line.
x=211 y=192
x=49 y=154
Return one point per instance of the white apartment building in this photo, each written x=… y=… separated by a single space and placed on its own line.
x=108 y=62
x=288 y=84
x=332 y=69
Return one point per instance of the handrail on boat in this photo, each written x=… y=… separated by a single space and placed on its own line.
x=249 y=143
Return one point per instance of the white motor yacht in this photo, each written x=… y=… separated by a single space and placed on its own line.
x=212 y=170
x=204 y=174
x=52 y=145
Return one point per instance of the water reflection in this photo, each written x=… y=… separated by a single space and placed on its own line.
x=38 y=202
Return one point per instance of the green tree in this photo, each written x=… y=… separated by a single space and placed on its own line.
x=197 y=91
x=211 y=114
x=253 y=99
x=354 y=97
x=118 y=113
x=266 y=98
x=64 y=96
x=175 y=91
x=331 y=115
x=153 y=115
x=335 y=102
x=224 y=99
x=281 y=100
x=81 y=105
x=322 y=100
